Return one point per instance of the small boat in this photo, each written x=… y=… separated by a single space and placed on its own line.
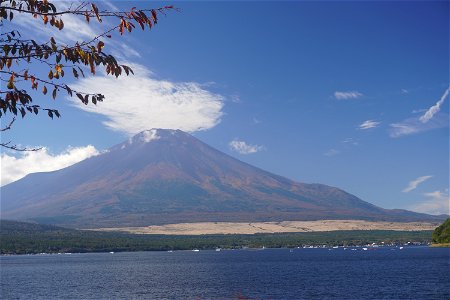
x=111 y=252
x=400 y=248
x=218 y=249
x=365 y=249
x=195 y=250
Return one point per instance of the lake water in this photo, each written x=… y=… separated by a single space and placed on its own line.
x=386 y=273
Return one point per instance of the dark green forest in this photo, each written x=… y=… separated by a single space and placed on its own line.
x=441 y=235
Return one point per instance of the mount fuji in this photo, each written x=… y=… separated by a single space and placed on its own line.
x=162 y=176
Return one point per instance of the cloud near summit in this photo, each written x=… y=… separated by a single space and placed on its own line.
x=242 y=147
x=138 y=102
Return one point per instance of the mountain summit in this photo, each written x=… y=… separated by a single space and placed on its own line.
x=168 y=176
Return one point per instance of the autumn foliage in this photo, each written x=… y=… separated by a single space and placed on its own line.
x=18 y=54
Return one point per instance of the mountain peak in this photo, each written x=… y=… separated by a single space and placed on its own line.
x=154 y=134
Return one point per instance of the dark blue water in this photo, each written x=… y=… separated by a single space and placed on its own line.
x=411 y=273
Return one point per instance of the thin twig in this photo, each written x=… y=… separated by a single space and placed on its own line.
x=8 y=127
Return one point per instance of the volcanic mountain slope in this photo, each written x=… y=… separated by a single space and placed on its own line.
x=168 y=176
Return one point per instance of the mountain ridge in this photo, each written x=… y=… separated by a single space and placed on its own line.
x=162 y=176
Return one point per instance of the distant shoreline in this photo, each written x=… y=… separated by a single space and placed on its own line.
x=444 y=245
x=204 y=228
x=32 y=238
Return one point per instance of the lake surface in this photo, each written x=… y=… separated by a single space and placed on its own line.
x=385 y=273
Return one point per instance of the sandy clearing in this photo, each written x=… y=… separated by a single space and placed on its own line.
x=272 y=227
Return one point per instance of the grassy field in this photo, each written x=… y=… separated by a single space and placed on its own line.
x=202 y=228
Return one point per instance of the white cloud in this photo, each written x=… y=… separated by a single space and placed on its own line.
x=331 y=152
x=436 y=204
x=347 y=95
x=418 y=111
x=414 y=125
x=150 y=135
x=412 y=185
x=435 y=108
x=235 y=98
x=404 y=91
x=243 y=148
x=13 y=168
x=139 y=102
x=127 y=51
x=350 y=141
x=368 y=124
x=431 y=119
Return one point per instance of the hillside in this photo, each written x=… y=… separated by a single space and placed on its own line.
x=441 y=235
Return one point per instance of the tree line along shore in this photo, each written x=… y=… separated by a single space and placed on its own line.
x=30 y=238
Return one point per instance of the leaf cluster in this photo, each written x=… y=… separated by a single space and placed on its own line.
x=18 y=54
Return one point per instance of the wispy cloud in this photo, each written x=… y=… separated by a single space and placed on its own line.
x=350 y=141
x=431 y=119
x=142 y=102
x=418 y=111
x=348 y=95
x=412 y=185
x=414 y=125
x=435 y=108
x=331 y=152
x=437 y=203
x=368 y=124
x=235 y=98
x=243 y=148
x=13 y=168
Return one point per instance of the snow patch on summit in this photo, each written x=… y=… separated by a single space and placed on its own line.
x=143 y=137
x=149 y=135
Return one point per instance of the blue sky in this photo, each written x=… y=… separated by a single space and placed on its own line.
x=328 y=92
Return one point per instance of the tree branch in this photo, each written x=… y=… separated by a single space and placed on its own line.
x=8 y=127
x=17 y=148
x=14 y=147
